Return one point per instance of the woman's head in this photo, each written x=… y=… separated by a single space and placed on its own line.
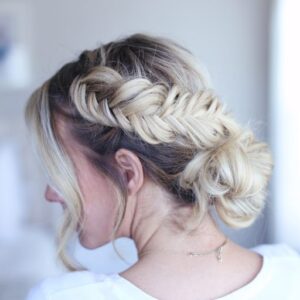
x=145 y=96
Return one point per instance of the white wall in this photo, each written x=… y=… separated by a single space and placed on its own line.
x=284 y=113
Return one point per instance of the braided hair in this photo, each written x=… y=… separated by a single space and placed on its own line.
x=149 y=95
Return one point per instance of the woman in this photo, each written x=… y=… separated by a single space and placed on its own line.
x=136 y=144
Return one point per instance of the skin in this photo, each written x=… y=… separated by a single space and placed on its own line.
x=157 y=271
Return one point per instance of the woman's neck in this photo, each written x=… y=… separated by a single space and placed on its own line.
x=164 y=242
x=155 y=224
x=161 y=248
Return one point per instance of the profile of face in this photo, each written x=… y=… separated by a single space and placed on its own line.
x=97 y=191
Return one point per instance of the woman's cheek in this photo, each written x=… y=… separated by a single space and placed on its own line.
x=98 y=224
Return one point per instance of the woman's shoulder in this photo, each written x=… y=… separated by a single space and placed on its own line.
x=281 y=260
x=278 y=278
x=74 y=285
x=281 y=250
x=281 y=269
x=281 y=257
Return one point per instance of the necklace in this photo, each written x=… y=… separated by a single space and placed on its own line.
x=218 y=252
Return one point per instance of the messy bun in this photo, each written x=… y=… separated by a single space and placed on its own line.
x=150 y=96
x=234 y=174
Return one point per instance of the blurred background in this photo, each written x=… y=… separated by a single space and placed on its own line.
x=251 y=51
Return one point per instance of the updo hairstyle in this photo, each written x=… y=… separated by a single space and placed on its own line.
x=149 y=95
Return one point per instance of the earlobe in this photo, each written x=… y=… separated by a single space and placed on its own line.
x=131 y=166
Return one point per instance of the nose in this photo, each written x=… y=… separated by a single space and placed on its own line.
x=52 y=196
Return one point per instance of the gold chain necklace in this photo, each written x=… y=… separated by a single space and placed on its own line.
x=217 y=251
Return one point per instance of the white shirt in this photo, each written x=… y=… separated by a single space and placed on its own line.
x=279 y=278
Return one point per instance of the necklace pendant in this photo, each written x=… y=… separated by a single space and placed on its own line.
x=219 y=254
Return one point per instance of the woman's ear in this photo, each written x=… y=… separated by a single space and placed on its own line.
x=131 y=168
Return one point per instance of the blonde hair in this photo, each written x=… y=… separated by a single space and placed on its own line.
x=149 y=95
